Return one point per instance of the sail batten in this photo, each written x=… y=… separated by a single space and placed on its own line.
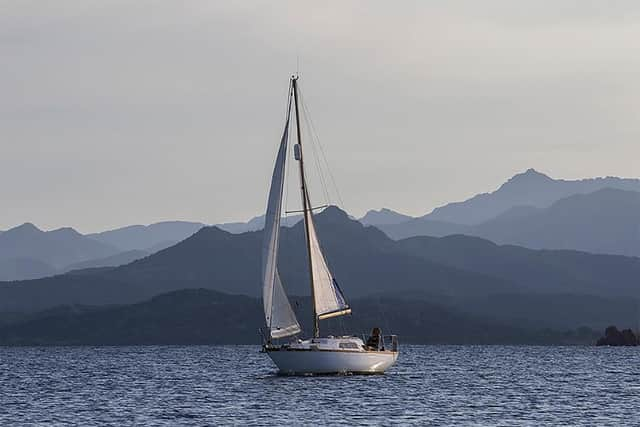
x=279 y=316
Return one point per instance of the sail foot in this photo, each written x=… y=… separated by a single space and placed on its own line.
x=334 y=314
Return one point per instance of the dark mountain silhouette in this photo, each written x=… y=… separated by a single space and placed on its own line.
x=553 y=271
x=530 y=188
x=202 y=316
x=56 y=248
x=148 y=237
x=230 y=263
x=468 y=274
x=384 y=216
x=364 y=259
x=605 y=221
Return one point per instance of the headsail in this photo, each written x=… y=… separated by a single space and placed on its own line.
x=328 y=298
x=280 y=318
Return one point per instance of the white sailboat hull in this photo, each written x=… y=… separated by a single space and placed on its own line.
x=332 y=361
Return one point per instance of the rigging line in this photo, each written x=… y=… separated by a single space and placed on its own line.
x=316 y=157
x=326 y=265
x=382 y=311
x=313 y=208
x=342 y=328
x=323 y=181
x=324 y=157
x=315 y=141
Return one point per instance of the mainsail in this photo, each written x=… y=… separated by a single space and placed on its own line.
x=280 y=318
x=328 y=298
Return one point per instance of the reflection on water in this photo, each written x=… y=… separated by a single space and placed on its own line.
x=439 y=385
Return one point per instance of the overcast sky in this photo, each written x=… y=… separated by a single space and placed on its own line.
x=113 y=113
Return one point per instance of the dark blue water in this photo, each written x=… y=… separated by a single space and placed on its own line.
x=439 y=385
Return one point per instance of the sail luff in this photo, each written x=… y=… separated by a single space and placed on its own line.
x=279 y=316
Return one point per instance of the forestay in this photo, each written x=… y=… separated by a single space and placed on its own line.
x=280 y=318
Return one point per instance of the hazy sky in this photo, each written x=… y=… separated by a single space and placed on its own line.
x=120 y=112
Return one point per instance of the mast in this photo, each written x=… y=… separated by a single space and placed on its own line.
x=305 y=207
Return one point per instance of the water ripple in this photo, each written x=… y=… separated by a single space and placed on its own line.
x=213 y=385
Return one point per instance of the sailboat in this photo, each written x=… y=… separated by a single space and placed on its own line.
x=282 y=340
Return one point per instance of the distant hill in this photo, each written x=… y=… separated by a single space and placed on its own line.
x=54 y=249
x=161 y=235
x=530 y=188
x=121 y=258
x=362 y=257
x=606 y=221
x=364 y=260
x=145 y=237
x=459 y=272
x=202 y=316
x=542 y=271
x=24 y=269
x=384 y=216
x=554 y=288
x=424 y=227
x=256 y=223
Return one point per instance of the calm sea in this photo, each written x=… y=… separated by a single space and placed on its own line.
x=213 y=385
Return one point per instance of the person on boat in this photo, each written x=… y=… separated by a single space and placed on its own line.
x=373 y=342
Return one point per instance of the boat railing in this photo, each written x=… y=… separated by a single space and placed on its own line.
x=390 y=342
x=386 y=342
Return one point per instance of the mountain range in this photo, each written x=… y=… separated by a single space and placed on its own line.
x=28 y=252
x=530 y=188
x=600 y=215
x=384 y=216
x=256 y=223
x=472 y=276
x=150 y=238
x=606 y=221
x=531 y=209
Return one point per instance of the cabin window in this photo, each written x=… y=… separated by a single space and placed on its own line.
x=348 y=344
